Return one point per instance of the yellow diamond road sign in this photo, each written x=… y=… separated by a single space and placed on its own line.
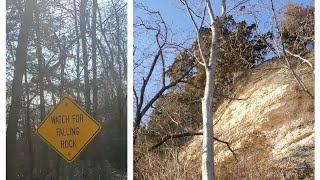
x=68 y=129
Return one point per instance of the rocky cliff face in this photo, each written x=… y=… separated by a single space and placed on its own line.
x=270 y=125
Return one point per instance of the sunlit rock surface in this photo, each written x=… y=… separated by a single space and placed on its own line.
x=270 y=127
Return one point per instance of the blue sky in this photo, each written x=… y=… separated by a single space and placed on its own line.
x=176 y=17
x=182 y=30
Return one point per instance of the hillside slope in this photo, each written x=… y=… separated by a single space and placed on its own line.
x=270 y=127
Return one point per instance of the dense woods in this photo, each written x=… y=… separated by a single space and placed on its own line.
x=74 y=48
x=176 y=114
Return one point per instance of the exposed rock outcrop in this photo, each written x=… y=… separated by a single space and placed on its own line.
x=270 y=127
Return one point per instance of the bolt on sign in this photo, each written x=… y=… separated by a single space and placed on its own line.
x=68 y=129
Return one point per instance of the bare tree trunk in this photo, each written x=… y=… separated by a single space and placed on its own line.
x=207 y=113
x=121 y=99
x=85 y=54
x=119 y=81
x=28 y=144
x=83 y=7
x=15 y=106
x=210 y=66
x=44 y=162
x=51 y=87
x=94 y=59
x=78 y=50
x=62 y=60
x=40 y=65
x=94 y=76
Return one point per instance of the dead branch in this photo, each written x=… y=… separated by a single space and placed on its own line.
x=187 y=134
x=201 y=61
x=298 y=56
x=301 y=84
x=237 y=6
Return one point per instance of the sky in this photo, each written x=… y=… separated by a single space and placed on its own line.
x=182 y=30
x=174 y=14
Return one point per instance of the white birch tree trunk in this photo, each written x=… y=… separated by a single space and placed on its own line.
x=207 y=111
x=210 y=67
x=207 y=144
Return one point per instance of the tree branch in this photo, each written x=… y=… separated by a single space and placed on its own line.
x=163 y=89
x=224 y=9
x=285 y=53
x=210 y=11
x=237 y=6
x=187 y=134
x=298 y=56
x=203 y=62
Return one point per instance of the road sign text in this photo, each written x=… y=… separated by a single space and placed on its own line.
x=68 y=129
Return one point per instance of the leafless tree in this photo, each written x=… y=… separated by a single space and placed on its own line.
x=209 y=64
x=143 y=105
x=45 y=62
x=20 y=66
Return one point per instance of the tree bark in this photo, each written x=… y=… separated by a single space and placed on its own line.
x=20 y=65
x=207 y=113
x=78 y=49
x=44 y=161
x=62 y=59
x=28 y=144
x=94 y=59
x=120 y=102
x=207 y=145
x=85 y=55
x=94 y=76
x=83 y=6
x=209 y=66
